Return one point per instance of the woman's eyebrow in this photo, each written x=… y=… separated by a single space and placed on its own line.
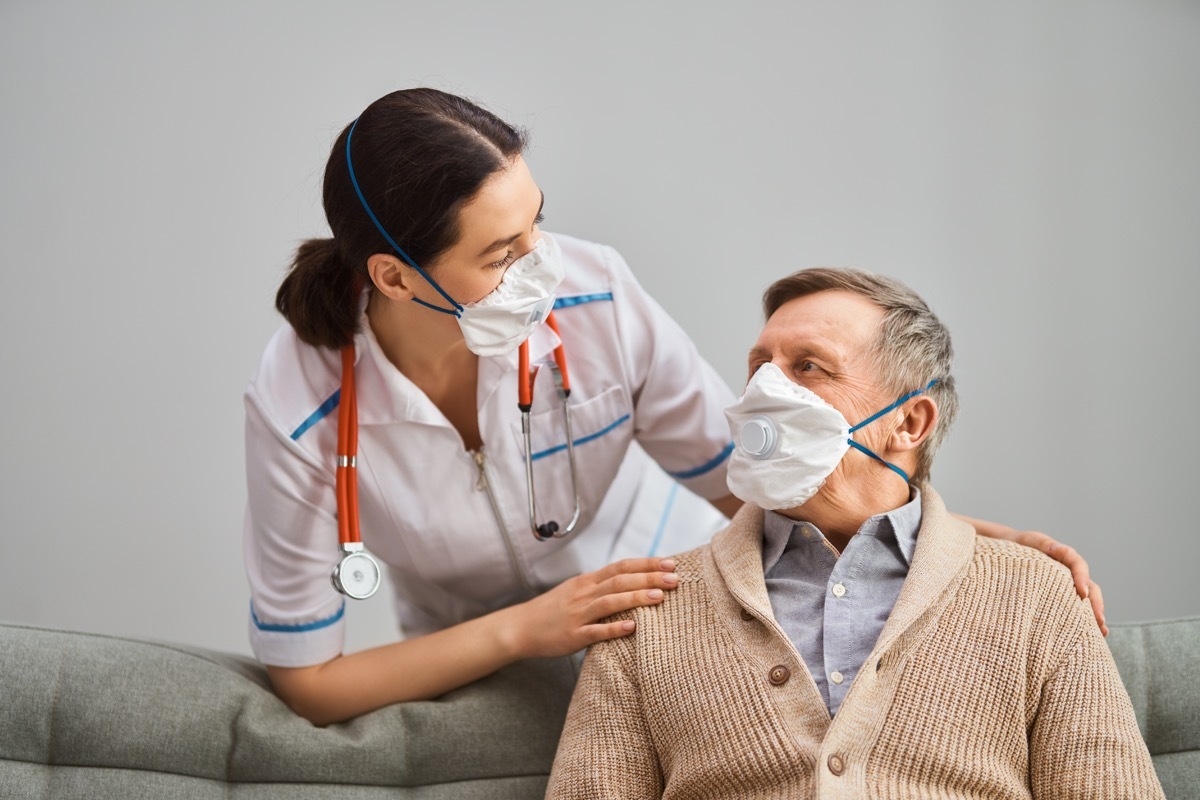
x=496 y=245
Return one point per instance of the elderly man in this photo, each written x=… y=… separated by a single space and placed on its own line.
x=845 y=637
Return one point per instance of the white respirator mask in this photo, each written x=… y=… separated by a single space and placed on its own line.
x=787 y=441
x=498 y=323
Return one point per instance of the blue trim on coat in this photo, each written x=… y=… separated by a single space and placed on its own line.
x=299 y=627
x=662 y=521
x=581 y=299
x=322 y=411
x=558 y=448
x=707 y=466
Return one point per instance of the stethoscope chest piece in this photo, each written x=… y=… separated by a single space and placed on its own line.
x=357 y=575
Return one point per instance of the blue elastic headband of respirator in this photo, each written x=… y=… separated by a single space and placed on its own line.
x=879 y=414
x=457 y=310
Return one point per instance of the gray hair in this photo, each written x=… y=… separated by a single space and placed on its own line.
x=912 y=347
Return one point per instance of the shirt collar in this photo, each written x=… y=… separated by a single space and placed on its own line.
x=903 y=523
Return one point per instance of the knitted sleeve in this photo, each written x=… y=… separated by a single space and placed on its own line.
x=1085 y=741
x=605 y=750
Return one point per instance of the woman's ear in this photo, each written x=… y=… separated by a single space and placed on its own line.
x=389 y=276
x=920 y=419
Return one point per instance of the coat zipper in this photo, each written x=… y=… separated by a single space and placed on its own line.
x=482 y=483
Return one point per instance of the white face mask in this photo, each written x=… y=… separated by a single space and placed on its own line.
x=498 y=323
x=787 y=441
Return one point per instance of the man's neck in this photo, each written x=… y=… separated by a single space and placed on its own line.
x=840 y=514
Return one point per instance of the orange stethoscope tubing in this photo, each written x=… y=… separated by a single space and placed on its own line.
x=357 y=574
x=347 y=453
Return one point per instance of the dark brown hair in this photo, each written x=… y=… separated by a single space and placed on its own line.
x=419 y=155
x=912 y=346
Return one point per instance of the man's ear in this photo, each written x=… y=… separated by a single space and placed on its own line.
x=920 y=419
x=389 y=276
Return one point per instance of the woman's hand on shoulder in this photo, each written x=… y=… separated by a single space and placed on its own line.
x=567 y=618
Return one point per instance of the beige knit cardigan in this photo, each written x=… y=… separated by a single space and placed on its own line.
x=989 y=680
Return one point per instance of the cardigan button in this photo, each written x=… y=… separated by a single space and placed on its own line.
x=836 y=764
x=746 y=615
x=779 y=675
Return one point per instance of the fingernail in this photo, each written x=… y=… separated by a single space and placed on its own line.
x=655 y=594
x=628 y=625
x=1087 y=592
x=670 y=577
x=667 y=564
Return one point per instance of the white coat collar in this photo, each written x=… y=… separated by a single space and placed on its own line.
x=387 y=396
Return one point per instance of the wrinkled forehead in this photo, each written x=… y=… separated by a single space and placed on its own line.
x=844 y=323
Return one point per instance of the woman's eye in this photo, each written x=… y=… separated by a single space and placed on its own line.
x=807 y=366
x=502 y=263
x=539 y=219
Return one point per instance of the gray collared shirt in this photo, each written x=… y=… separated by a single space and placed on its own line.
x=834 y=608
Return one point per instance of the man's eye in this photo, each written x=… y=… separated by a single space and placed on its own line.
x=807 y=366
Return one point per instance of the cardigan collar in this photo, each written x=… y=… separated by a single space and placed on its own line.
x=945 y=547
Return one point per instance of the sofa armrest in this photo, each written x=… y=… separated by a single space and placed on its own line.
x=90 y=701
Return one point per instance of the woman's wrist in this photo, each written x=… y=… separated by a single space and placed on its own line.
x=508 y=626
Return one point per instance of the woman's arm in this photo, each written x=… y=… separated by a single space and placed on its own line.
x=559 y=622
x=1065 y=554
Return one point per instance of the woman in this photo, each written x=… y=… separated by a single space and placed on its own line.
x=436 y=272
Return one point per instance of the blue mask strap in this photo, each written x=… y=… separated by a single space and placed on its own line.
x=895 y=405
x=456 y=311
x=887 y=464
x=879 y=414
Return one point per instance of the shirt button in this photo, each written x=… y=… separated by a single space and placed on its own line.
x=836 y=765
x=779 y=675
x=746 y=615
x=836 y=677
x=838 y=590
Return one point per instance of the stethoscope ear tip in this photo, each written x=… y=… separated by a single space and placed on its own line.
x=547 y=530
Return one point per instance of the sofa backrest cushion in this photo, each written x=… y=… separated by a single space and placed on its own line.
x=1160 y=665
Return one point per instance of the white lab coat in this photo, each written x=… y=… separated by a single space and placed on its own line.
x=456 y=541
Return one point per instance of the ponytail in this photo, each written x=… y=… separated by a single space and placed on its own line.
x=318 y=296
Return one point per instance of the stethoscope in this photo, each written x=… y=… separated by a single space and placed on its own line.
x=357 y=574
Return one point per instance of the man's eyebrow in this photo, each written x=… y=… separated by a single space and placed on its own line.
x=496 y=245
x=797 y=349
x=757 y=352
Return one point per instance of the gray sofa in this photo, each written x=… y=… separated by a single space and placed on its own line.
x=90 y=716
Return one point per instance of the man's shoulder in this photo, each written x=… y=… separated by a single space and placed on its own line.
x=690 y=566
x=1026 y=582
x=691 y=595
x=1009 y=557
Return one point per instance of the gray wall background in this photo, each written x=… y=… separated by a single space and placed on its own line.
x=1030 y=167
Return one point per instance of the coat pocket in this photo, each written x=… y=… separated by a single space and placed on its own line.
x=601 y=428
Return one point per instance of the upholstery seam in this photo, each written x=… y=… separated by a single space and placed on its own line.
x=113 y=767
